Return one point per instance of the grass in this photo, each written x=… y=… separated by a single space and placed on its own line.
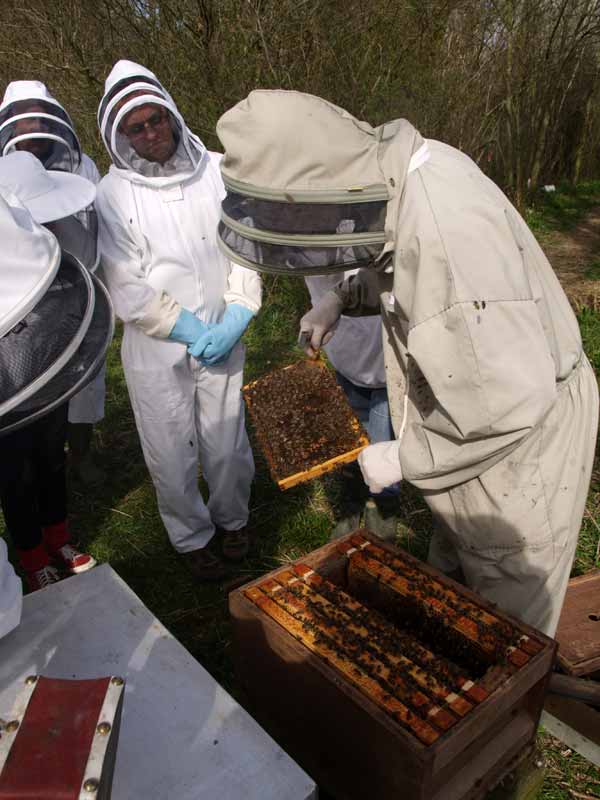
x=563 y=209
x=120 y=522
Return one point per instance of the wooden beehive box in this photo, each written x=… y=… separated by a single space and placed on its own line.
x=303 y=421
x=578 y=633
x=385 y=679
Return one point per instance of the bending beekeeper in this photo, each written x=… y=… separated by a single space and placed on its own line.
x=494 y=404
x=31 y=119
x=185 y=307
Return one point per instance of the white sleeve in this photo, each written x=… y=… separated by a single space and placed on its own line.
x=133 y=298
x=481 y=378
x=11 y=594
x=244 y=287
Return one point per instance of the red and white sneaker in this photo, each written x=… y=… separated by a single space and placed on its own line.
x=72 y=560
x=42 y=577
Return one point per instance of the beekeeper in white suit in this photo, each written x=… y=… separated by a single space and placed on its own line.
x=494 y=403
x=31 y=119
x=185 y=307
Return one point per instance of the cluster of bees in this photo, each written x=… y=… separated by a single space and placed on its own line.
x=302 y=418
x=420 y=657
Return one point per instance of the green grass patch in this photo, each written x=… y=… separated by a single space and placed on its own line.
x=563 y=209
x=593 y=271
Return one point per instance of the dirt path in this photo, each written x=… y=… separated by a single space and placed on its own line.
x=575 y=253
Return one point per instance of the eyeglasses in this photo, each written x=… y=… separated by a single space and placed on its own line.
x=139 y=128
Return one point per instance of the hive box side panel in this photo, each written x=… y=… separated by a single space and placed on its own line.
x=523 y=691
x=335 y=733
x=486 y=762
x=502 y=734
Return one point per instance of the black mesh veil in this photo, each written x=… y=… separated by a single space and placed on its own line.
x=300 y=238
x=45 y=129
x=79 y=370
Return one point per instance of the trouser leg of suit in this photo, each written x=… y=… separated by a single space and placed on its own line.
x=33 y=478
x=225 y=454
x=515 y=527
x=167 y=402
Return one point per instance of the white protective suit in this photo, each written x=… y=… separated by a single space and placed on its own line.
x=158 y=245
x=87 y=406
x=494 y=403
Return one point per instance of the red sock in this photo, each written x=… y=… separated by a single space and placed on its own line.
x=34 y=559
x=56 y=535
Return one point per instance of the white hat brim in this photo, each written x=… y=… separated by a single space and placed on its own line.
x=71 y=193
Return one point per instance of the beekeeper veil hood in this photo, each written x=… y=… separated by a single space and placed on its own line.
x=310 y=189
x=56 y=320
x=129 y=87
x=31 y=119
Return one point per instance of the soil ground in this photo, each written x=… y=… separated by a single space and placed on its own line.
x=575 y=256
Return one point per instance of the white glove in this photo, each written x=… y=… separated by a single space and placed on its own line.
x=380 y=465
x=319 y=324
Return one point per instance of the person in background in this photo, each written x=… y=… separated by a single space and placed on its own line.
x=493 y=401
x=33 y=490
x=185 y=308
x=356 y=352
x=31 y=119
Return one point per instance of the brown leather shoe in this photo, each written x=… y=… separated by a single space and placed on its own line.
x=205 y=565
x=234 y=544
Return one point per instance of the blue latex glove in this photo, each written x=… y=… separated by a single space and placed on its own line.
x=214 y=346
x=188 y=328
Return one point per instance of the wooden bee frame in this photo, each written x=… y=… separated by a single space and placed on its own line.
x=371 y=710
x=264 y=429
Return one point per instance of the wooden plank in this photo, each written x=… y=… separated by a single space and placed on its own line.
x=578 y=632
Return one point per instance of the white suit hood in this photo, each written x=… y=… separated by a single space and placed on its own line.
x=311 y=189
x=30 y=260
x=28 y=90
x=128 y=78
x=30 y=112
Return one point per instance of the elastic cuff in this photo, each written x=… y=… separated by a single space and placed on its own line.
x=34 y=559
x=160 y=316
x=55 y=536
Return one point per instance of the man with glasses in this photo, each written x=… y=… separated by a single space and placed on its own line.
x=185 y=307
